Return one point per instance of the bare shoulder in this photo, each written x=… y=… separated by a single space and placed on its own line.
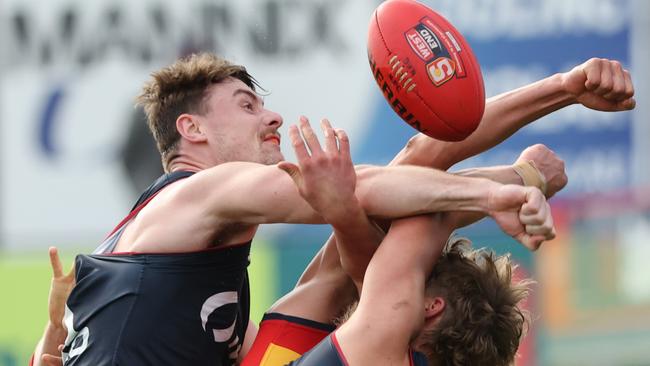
x=187 y=215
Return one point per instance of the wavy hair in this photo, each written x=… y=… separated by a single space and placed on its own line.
x=482 y=323
x=182 y=88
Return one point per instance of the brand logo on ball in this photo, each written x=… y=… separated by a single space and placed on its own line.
x=438 y=48
x=424 y=42
x=441 y=70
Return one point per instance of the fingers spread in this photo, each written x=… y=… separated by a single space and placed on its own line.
x=344 y=144
x=298 y=144
x=310 y=137
x=331 y=145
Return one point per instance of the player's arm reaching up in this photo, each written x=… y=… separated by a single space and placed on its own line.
x=598 y=84
x=326 y=179
x=413 y=245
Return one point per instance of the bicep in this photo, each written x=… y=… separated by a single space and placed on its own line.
x=250 y=193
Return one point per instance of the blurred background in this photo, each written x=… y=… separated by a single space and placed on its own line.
x=75 y=153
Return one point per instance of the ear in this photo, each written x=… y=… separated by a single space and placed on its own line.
x=189 y=127
x=433 y=307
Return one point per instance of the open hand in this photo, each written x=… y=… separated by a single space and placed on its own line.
x=326 y=178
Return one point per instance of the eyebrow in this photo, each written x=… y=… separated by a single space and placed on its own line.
x=250 y=94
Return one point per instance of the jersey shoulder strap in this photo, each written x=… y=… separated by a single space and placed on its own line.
x=108 y=245
x=160 y=183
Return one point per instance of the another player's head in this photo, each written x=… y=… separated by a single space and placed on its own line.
x=205 y=109
x=481 y=322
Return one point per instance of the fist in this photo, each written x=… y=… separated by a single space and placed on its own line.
x=523 y=213
x=600 y=84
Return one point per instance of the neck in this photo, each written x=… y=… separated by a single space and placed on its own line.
x=184 y=164
x=192 y=158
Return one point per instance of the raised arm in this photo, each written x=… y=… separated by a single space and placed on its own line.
x=392 y=300
x=327 y=181
x=598 y=84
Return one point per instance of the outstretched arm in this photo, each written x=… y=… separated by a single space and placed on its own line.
x=536 y=166
x=598 y=84
x=248 y=193
x=326 y=179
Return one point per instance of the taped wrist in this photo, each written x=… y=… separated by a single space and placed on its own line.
x=530 y=175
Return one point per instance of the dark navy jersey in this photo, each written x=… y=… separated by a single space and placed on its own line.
x=328 y=353
x=158 y=309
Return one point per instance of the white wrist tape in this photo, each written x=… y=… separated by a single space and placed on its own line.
x=530 y=175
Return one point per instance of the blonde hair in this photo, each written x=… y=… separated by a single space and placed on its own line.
x=482 y=323
x=182 y=88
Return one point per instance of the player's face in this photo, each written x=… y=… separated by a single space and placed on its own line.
x=238 y=126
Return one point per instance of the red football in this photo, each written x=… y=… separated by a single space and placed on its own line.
x=426 y=70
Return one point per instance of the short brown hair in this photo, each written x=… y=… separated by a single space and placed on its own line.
x=182 y=88
x=482 y=323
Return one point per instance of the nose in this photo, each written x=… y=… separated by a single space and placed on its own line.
x=273 y=119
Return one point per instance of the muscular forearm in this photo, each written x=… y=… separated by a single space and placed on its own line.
x=504 y=115
x=400 y=191
x=503 y=174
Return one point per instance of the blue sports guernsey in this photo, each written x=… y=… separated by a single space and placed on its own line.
x=328 y=353
x=157 y=309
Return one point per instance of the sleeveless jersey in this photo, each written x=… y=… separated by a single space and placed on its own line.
x=283 y=338
x=328 y=353
x=157 y=309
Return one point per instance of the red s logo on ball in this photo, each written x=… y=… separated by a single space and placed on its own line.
x=441 y=70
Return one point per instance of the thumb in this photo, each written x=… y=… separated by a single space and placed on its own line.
x=627 y=104
x=532 y=242
x=292 y=170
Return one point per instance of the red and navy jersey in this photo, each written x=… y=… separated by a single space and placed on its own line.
x=158 y=309
x=283 y=338
x=328 y=353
